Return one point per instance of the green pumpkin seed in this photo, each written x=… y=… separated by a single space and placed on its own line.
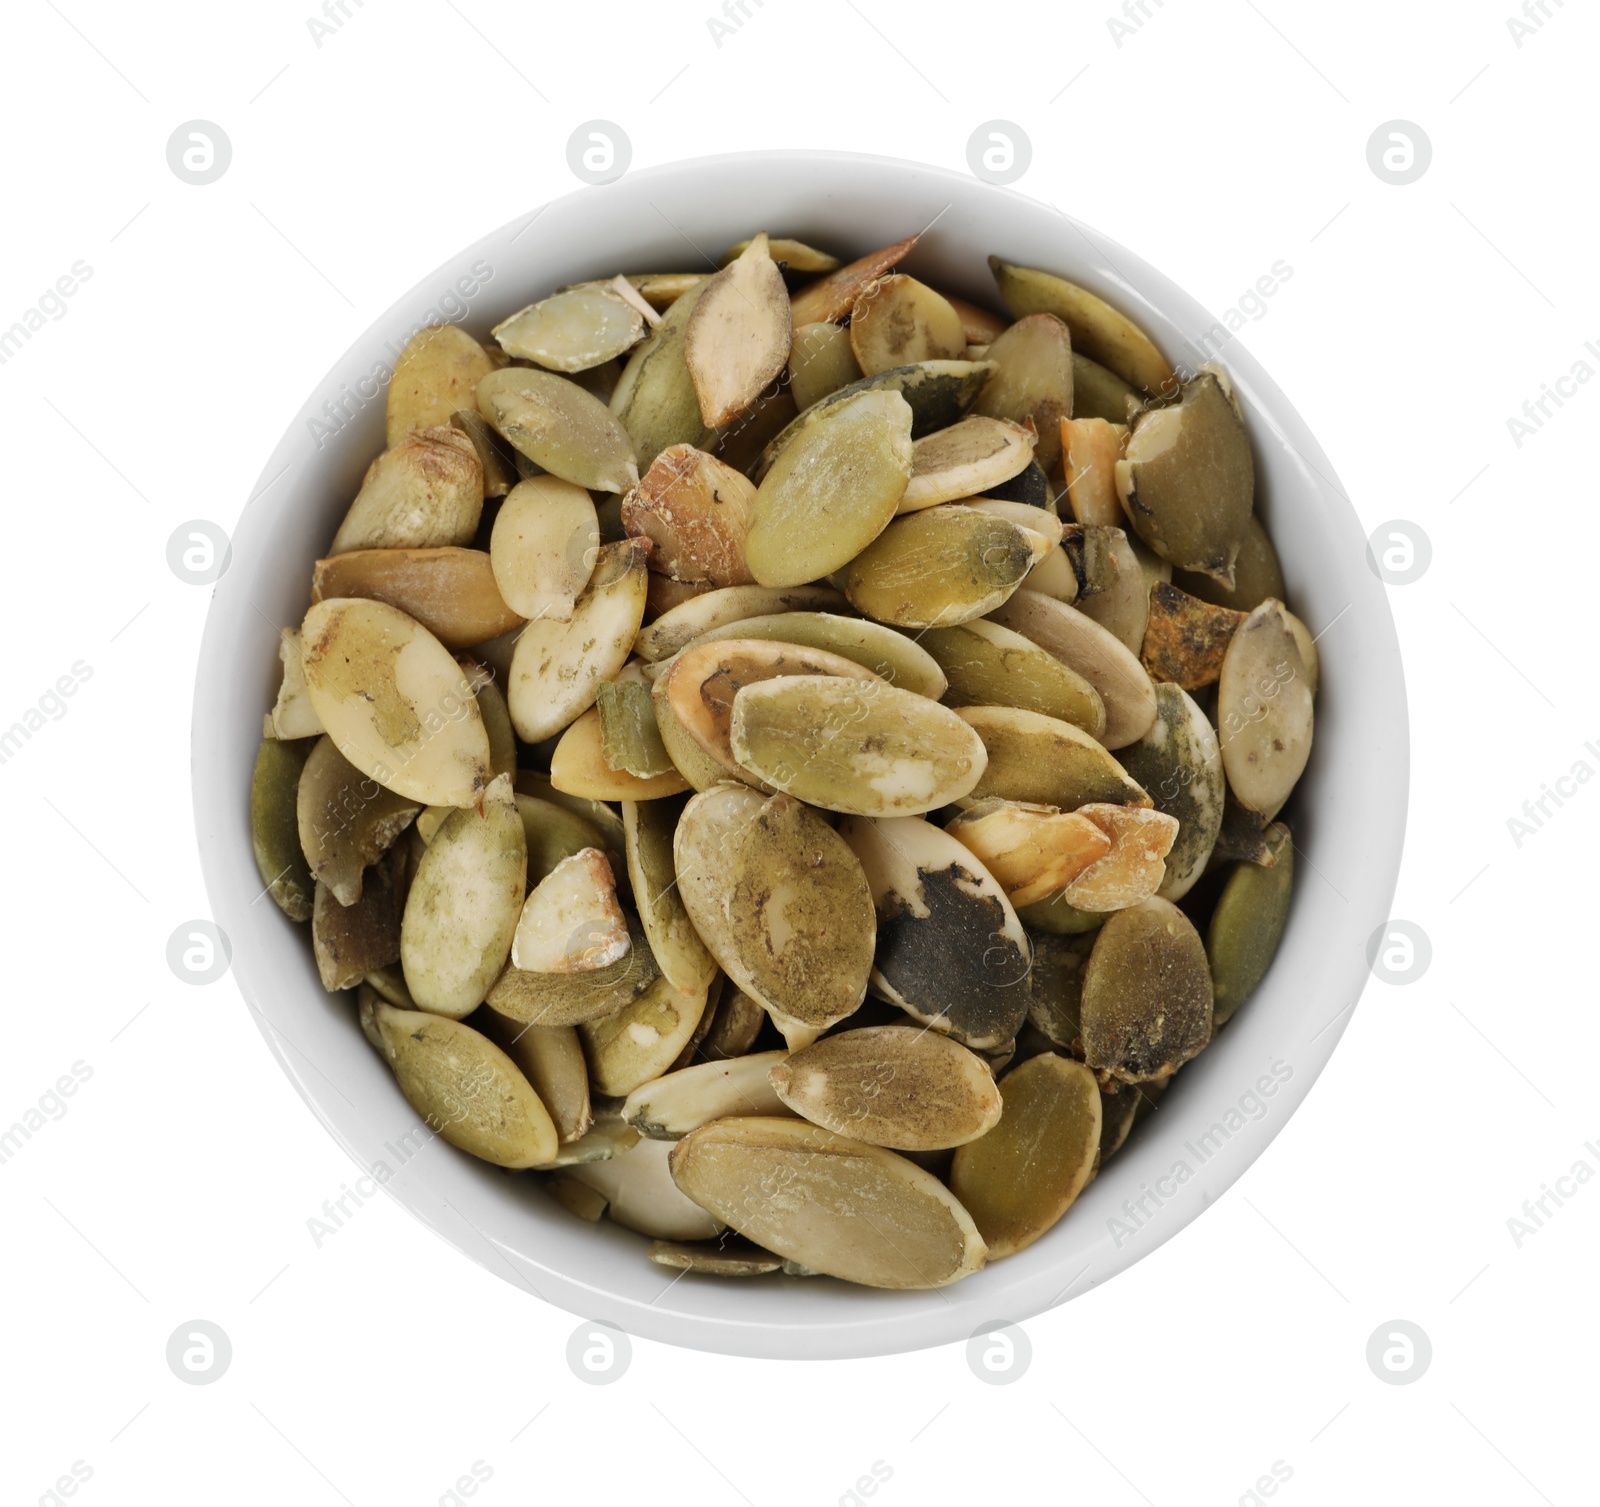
x=1102 y=333
x=951 y=952
x=466 y=1088
x=1180 y=764
x=572 y=999
x=663 y=289
x=682 y=625
x=727 y=1258
x=544 y=546
x=681 y=955
x=668 y=1108
x=1264 y=710
x=987 y=665
x=497 y=459
x=1243 y=836
x=1032 y=381
x=578 y=766
x=571 y=921
x=830 y=298
x=892 y=1086
x=606 y=1138
x=1114 y=592
x=629 y=737
x=274 y=827
x=654 y=398
x=1257 y=575
x=966 y=459
x=799 y=1191
x=795 y=256
x=559 y=426
x=1032 y=851
x=1187 y=480
x=1307 y=645
x=1057 y=918
x=734 y=1027
x=831 y=491
x=552 y=834
x=862 y=747
x=351 y=941
x=572 y=330
x=1248 y=924
x=897 y=320
x=1121 y=1107
x=437 y=373
x=1019 y=1179
x=1098 y=393
x=426 y=492
x=551 y=1059
x=641 y=1196
x=1045 y=761
x=641 y=1041
x=345 y=820
x=820 y=362
x=1058 y=969
x=1146 y=1007
x=889 y=655
x=737 y=339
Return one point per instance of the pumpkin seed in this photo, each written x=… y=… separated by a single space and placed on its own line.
x=639 y=1042
x=595 y=812
x=1029 y=485
x=862 y=747
x=737 y=339
x=820 y=362
x=655 y=399
x=740 y=444
x=892 y=1086
x=1179 y=762
x=1307 y=645
x=1187 y=481
x=394 y=701
x=274 y=827
x=1100 y=332
x=796 y=256
x=663 y=289
x=544 y=546
x=1114 y=594
x=888 y=654
x=1055 y=917
x=559 y=426
x=495 y=456
x=831 y=491
x=1103 y=660
x=734 y=1027
x=558 y=667
x=427 y=491
x=1257 y=575
x=574 y=329
x=606 y=1138
x=578 y=766
x=1019 y=1179
x=967 y=458
x=1248 y=924
x=728 y=1258
x=571 y=921
x=695 y=510
x=940 y=567
x=1092 y=448
x=830 y=298
x=1186 y=638
x=987 y=665
x=351 y=941
x=344 y=820
x=663 y=593
x=1136 y=865
x=629 y=738
x=1058 y=965
x=1146 y=1006
x=1264 y=710
x=577 y=1199
x=1243 y=837
x=1032 y=381
x=1120 y=1104
x=896 y=321
x=678 y=950
x=682 y=625
x=641 y=1195
x=292 y=715
x=450 y=591
x=670 y=1107
x=1038 y=521
x=951 y=952
x=1054 y=576
x=551 y=1059
x=572 y=999
x=437 y=373
x=1032 y=851
x=465 y=1088
x=827 y=1202
x=1045 y=761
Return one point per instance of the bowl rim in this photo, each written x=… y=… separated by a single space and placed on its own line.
x=1373 y=739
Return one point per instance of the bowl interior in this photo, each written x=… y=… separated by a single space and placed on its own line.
x=1222 y=1110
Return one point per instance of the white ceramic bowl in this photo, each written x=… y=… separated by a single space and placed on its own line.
x=1350 y=810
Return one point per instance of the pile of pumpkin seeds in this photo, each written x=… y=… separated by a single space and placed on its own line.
x=793 y=758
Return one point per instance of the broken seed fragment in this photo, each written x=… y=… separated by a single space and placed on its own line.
x=1032 y=851
x=1134 y=867
x=571 y=922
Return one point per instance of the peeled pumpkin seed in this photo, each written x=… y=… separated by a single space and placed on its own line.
x=351 y=941
x=572 y=330
x=1103 y=660
x=1115 y=594
x=967 y=458
x=1185 y=639
x=495 y=456
x=466 y=1088
x=987 y=665
x=292 y=715
x=608 y=1137
x=695 y=510
x=801 y=1191
x=1146 y=1007
x=1180 y=764
x=571 y=921
x=641 y=1195
x=641 y=1041
x=274 y=827
x=671 y=1106
x=830 y=298
x=426 y=491
x=897 y=320
x=663 y=289
x=578 y=766
x=728 y=1258
x=951 y=952
x=551 y=1059
x=820 y=362
x=572 y=999
x=394 y=701
x=1100 y=332
x=796 y=256
x=1134 y=868
x=1021 y=1177
x=737 y=339
x=463 y=905
x=890 y=655
x=831 y=491
x=1186 y=479
x=629 y=738
x=856 y=746
x=733 y=1029
x=544 y=546
x=1248 y=924
x=450 y=591
x=1307 y=645
x=1092 y=448
x=1257 y=574
x=437 y=373
x=1098 y=393
x=1032 y=381
x=940 y=567
x=1058 y=966
x=682 y=625
x=679 y=952
x=1243 y=837
x=552 y=834
x=1056 y=918
x=892 y=1086
x=696 y=768
x=663 y=593
x=1264 y=710
x=1032 y=851
x=1054 y=576
x=559 y=426
x=345 y=821
x=557 y=667
x=1045 y=761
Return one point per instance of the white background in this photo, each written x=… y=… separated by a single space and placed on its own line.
x=1216 y=140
